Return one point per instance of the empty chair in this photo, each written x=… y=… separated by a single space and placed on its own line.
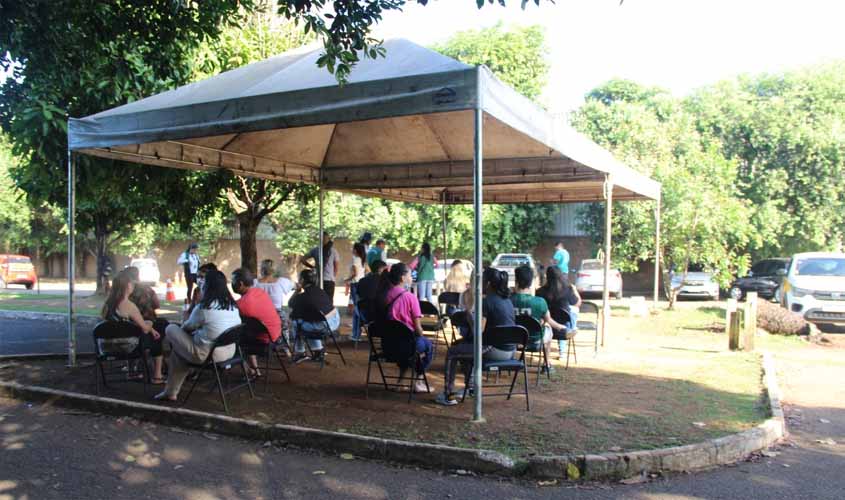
x=588 y=321
x=432 y=322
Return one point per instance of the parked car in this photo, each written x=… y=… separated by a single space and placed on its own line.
x=814 y=286
x=764 y=278
x=17 y=270
x=510 y=261
x=698 y=283
x=590 y=279
x=147 y=271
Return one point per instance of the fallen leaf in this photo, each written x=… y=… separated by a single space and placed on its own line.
x=318 y=473
x=827 y=441
x=177 y=467
x=786 y=465
x=634 y=480
x=129 y=458
x=267 y=444
x=572 y=472
x=824 y=420
x=347 y=456
x=547 y=483
x=210 y=436
x=699 y=424
x=770 y=454
x=615 y=448
x=461 y=472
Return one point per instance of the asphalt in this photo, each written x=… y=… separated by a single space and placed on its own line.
x=25 y=336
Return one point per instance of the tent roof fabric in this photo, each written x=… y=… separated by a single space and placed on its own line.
x=402 y=128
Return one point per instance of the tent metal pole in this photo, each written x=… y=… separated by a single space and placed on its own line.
x=320 y=244
x=445 y=246
x=608 y=215
x=477 y=415
x=71 y=259
x=656 y=250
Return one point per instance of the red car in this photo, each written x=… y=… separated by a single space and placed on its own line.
x=17 y=270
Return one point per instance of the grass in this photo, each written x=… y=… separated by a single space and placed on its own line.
x=49 y=303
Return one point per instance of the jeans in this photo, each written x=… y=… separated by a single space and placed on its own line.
x=572 y=325
x=424 y=290
x=312 y=332
x=356 y=316
x=426 y=348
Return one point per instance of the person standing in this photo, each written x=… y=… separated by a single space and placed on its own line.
x=561 y=258
x=331 y=263
x=378 y=252
x=357 y=271
x=190 y=262
x=425 y=264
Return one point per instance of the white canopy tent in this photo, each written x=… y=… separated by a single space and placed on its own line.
x=414 y=126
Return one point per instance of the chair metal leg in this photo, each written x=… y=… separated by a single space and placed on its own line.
x=513 y=381
x=220 y=388
x=100 y=372
x=193 y=386
x=244 y=367
x=525 y=372
x=336 y=346
x=412 y=384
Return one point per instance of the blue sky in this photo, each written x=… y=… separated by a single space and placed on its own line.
x=679 y=45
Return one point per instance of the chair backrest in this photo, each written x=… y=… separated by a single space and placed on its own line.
x=231 y=335
x=117 y=330
x=428 y=309
x=451 y=298
x=252 y=326
x=560 y=315
x=459 y=319
x=398 y=342
x=588 y=308
x=529 y=323
x=505 y=337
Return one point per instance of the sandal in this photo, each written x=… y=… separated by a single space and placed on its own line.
x=158 y=381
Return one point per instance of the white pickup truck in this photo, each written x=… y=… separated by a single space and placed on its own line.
x=510 y=261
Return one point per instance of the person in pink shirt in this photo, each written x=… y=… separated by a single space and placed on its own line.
x=401 y=305
x=257 y=310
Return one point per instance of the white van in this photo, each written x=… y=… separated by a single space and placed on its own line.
x=814 y=286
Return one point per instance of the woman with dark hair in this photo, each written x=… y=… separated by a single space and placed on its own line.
x=119 y=307
x=365 y=240
x=425 y=264
x=190 y=262
x=191 y=342
x=496 y=310
x=310 y=309
x=563 y=299
x=397 y=303
x=331 y=263
x=357 y=271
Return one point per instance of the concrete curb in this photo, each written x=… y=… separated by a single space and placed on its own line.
x=82 y=320
x=704 y=455
x=598 y=467
x=427 y=455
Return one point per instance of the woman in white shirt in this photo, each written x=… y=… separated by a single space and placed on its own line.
x=190 y=262
x=191 y=342
x=279 y=289
x=357 y=270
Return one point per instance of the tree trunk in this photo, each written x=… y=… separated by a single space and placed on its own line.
x=248 y=226
x=101 y=234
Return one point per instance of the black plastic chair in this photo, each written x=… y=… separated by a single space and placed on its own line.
x=568 y=336
x=587 y=326
x=432 y=322
x=229 y=337
x=535 y=329
x=112 y=330
x=458 y=320
x=505 y=337
x=393 y=342
x=323 y=335
x=254 y=327
x=446 y=299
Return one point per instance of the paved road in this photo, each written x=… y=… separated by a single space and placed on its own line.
x=38 y=337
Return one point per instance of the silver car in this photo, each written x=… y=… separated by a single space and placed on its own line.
x=510 y=261
x=590 y=279
x=697 y=284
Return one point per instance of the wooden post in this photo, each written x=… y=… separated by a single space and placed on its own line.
x=732 y=320
x=750 y=321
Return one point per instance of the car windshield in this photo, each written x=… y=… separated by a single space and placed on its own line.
x=19 y=260
x=767 y=267
x=512 y=261
x=820 y=266
x=592 y=265
x=143 y=264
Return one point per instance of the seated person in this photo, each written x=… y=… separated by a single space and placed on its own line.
x=119 y=307
x=496 y=310
x=309 y=307
x=196 y=295
x=563 y=301
x=255 y=304
x=396 y=303
x=525 y=302
x=192 y=342
x=278 y=288
x=368 y=289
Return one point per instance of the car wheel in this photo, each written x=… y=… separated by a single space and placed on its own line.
x=736 y=293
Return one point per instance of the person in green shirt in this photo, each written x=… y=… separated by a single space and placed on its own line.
x=425 y=264
x=377 y=252
x=525 y=302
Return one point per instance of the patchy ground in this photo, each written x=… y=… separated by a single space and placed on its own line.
x=659 y=381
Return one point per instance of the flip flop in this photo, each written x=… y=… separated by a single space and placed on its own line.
x=158 y=381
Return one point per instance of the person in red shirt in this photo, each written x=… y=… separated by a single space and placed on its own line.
x=257 y=310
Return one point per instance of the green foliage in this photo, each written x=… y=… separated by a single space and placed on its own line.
x=653 y=134
x=14 y=213
x=517 y=56
x=344 y=27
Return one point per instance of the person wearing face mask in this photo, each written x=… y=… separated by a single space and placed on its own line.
x=398 y=304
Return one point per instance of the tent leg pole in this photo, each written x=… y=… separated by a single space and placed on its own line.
x=477 y=415
x=320 y=244
x=71 y=259
x=445 y=247
x=608 y=215
x=656 y=251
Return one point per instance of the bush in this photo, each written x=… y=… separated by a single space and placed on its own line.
x=775 y=319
